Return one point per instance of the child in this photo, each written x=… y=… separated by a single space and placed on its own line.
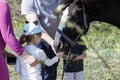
x=32 y=35
x=73 y=64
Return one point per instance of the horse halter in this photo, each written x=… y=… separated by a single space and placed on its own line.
x=84 y=17
x=85 y=23
x=72 y=43
x=84 y=27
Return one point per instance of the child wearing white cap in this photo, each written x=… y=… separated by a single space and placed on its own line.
x=32 y=35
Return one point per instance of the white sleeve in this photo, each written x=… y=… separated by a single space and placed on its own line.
x=27 y=7
x=50 y=62
x=18 y=65
x=41 y=56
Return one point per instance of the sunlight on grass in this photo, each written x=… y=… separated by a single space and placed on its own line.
x=102 y=62
x=103 y=54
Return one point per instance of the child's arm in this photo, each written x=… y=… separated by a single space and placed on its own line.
x=41 y=56
x=82 y=56
x=50 y=62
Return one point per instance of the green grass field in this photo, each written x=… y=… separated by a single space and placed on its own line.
x=103 y=54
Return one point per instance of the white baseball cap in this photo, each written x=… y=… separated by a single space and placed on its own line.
x=32 y=28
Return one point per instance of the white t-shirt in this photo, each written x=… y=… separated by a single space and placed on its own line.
x=33 y=73
x=46 y=12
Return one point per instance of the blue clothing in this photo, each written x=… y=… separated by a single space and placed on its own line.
x=45 y=9
x=48 y=73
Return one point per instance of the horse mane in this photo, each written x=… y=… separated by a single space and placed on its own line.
x=96 y=10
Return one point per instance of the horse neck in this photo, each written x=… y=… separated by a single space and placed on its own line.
x=105 y=11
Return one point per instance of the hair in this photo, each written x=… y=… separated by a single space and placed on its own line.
x=23 y=38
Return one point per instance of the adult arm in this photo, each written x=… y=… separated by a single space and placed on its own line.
x=33 y=17
x=6 y=29
x=29 y=11
x=7 y=33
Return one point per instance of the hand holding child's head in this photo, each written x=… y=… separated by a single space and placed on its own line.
x=60 y=54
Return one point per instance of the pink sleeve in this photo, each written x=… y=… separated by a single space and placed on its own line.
x=6 y=28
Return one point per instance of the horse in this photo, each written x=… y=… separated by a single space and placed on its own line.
x=95 y=10
x=82 y=12
x=78 y=14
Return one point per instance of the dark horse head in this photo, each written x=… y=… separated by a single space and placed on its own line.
x=95 y=10
x=83 y=12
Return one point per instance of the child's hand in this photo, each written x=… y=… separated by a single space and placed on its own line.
x=82 y=56
x=60 y=54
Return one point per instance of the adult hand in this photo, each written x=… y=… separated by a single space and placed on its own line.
x=30 y=59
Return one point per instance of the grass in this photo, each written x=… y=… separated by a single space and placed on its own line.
x=102 y=62
x=103 y=54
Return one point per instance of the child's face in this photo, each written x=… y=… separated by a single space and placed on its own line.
x=37 y=38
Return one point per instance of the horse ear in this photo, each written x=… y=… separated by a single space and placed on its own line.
x=26 y=22
x=35 y=22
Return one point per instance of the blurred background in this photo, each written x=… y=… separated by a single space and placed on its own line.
x=102 y=41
